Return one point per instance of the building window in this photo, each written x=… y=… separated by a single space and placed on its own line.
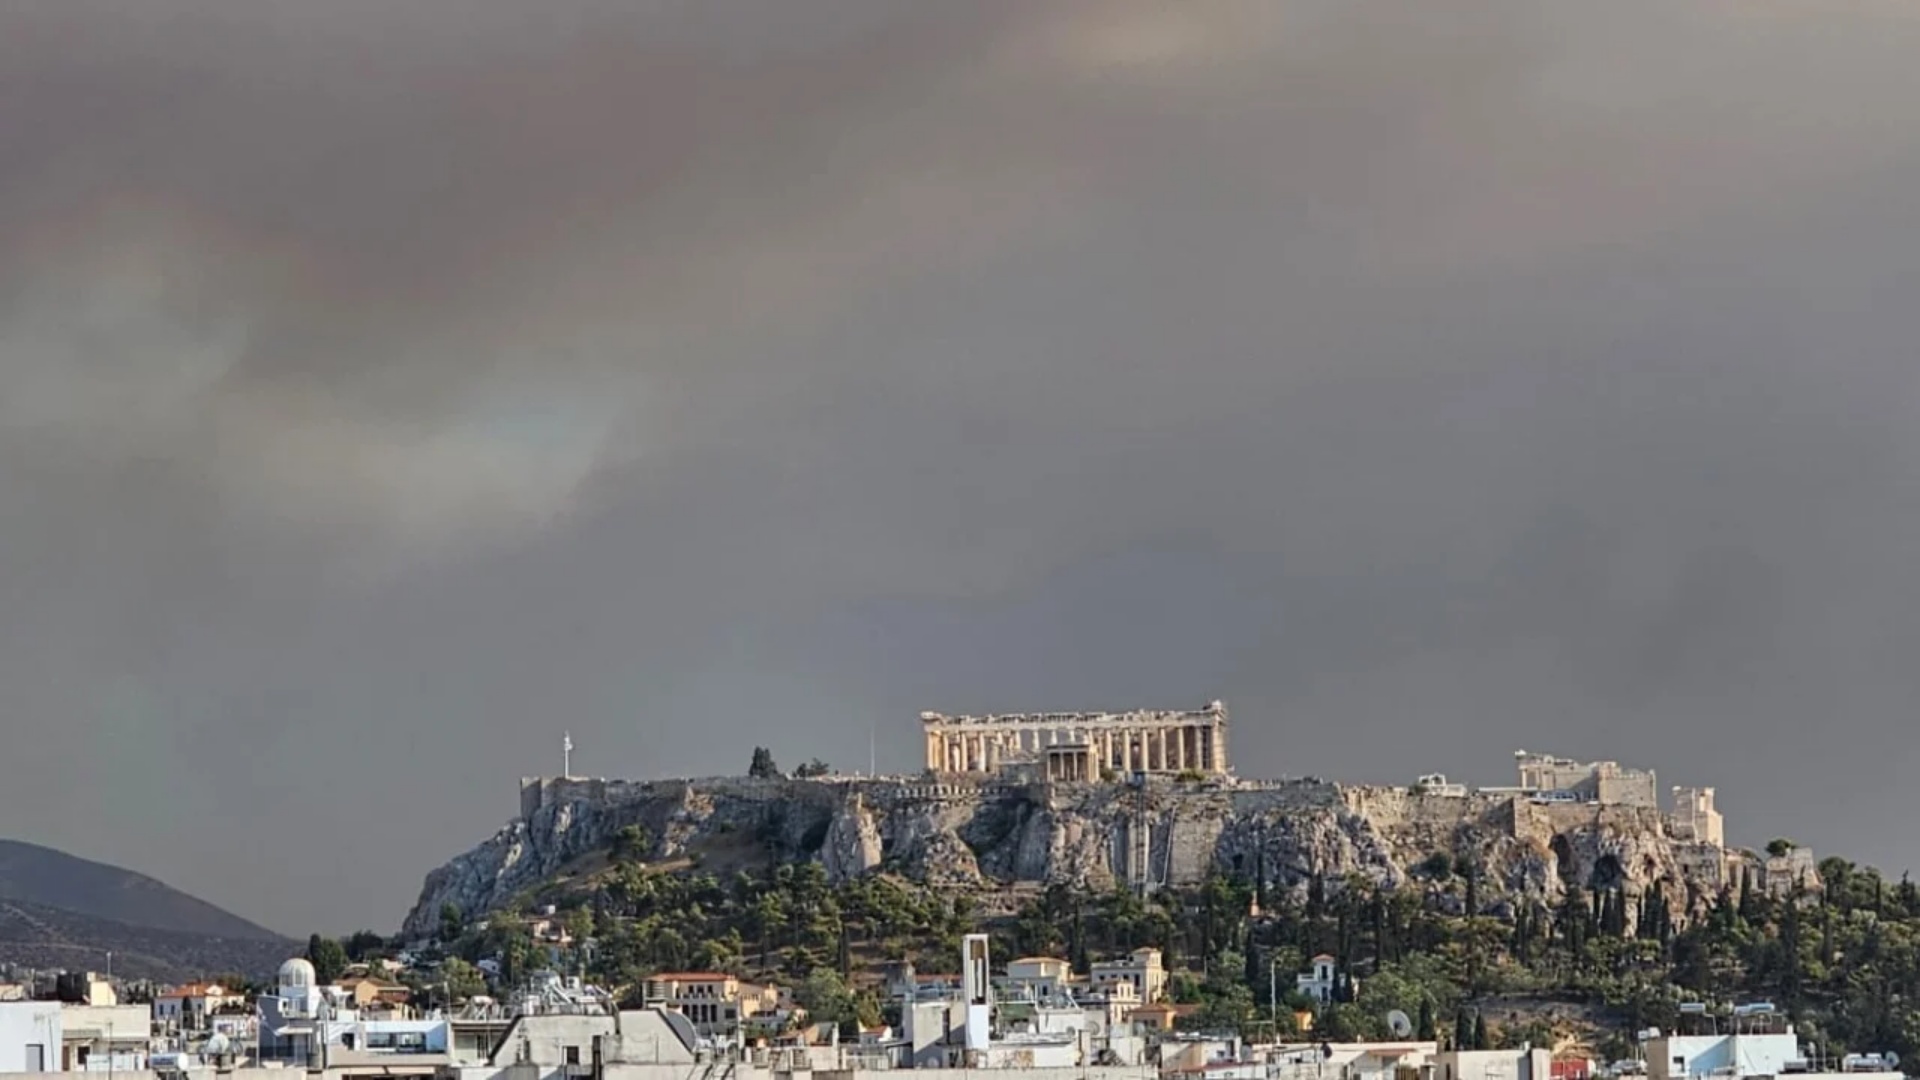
x=573 y=1055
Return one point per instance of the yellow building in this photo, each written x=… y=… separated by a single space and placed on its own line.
x=1142 y=968
x=716 y=1003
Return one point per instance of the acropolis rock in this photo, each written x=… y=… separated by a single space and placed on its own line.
x=989 y=833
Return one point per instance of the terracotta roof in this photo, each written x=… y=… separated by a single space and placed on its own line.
x=192 y=990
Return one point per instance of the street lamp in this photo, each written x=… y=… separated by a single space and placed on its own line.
x=1273 y=994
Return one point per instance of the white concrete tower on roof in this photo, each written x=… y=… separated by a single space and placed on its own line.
x=297 y=972
x=299 y=992
x=1081 y=746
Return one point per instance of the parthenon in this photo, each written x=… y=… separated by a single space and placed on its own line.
x=1081 y=746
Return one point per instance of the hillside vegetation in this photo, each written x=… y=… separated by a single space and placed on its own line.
x=1585 y=974
x=36 y=936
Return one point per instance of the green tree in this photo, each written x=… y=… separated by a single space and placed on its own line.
x=824 y=994
x=579 y=924
x=1480 y=1032
x=1341 y=1023
x=814 y=768
x=328 y=957
x=632 y=843
x=365 y=945
x=463 y=981
x=762 y=766
x=452 y=923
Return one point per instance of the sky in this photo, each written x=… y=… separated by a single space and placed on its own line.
x=386 y=389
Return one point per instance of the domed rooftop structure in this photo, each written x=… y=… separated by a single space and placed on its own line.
x=297 y=972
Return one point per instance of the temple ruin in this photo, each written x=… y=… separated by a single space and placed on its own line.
x=1080 y=746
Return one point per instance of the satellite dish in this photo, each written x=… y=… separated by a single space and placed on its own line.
x=1399 y=1025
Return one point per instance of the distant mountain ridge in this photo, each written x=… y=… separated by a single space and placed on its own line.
x=56 y=939
x=45 y=878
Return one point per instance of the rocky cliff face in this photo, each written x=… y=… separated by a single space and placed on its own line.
x=989 y=837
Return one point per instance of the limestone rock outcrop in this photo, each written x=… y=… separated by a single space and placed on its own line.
x=997 y=838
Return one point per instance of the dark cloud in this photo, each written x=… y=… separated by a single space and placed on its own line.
x=385 y=388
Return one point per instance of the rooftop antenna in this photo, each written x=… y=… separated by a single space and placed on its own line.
x=566 y=755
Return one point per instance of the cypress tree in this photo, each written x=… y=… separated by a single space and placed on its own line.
x=1462 y=1031
x=1378 y=909
x=1425 y=1033
x=1480 y=1033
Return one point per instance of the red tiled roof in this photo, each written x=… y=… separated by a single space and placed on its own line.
x=192 y=990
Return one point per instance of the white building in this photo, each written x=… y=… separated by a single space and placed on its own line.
x=1321 y=980
x=1528 y=1064
x=190 y=1007
x=1677 y=1057
x=105 y=1038
x=1351 y=1061
x=30 y=1036
x=1038 y=977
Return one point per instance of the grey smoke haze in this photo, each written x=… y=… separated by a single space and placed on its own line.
x=385 y=388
